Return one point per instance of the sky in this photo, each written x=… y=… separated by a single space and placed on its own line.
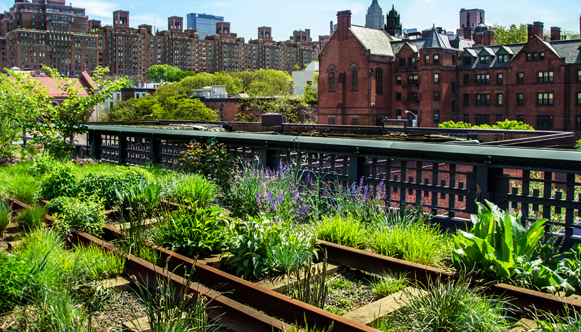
x=285 y=16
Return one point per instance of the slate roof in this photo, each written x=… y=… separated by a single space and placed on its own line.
x=377 y=41
x=568 y=49
x=437 y=40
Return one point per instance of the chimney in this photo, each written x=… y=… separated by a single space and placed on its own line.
x=488 y=39
x=467 y=33
x=439 y=29
x=331 y=30
x=343 y=23
x=555 y=33
x=538 y=29
x=530 y=31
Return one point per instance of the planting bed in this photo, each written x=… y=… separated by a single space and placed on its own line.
x=263 y=233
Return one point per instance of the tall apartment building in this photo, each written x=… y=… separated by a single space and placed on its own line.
x=469 y=18
x=205 y=24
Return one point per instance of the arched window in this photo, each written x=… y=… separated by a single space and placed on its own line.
x=379 y=81
x=331 y=79
x=354 y=78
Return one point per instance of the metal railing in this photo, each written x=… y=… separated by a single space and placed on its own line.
x=445 y=178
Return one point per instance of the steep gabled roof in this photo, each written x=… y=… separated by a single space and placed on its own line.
x=378 y=42
x=505 y=50
x=436 y=40
x=469 y=52
x=486 y=51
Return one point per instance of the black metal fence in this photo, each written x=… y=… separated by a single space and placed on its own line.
x=446 y=178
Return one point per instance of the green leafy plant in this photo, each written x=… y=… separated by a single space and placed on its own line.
x=211 y=159
x=388 y=284
x=343 y=230
x=5 y=216
x=310 y=286
x=60 y=181
x=453 y=306
x=548 y=322
x=501 y=248
x=506 y=124
x=83 y=214
x=32 y=218
x=142 y=197
x=195 y=231
x=189 y=189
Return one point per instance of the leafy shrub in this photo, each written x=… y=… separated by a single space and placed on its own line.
x=60 y=181
x=32 y=218
x=199 y=231
x=570 y=268
x=190 y=189
x=501 y=248
x=263 y=248
x=142 y=197
x=211 y=159
x=5 y=216
x=450 y=306
x=42 y=165
x=343 y=230
x=105 y=185
x=413 y=242
x=506 y=124
x=83 y=214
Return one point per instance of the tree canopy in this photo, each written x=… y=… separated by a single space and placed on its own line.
x=166 y=73
x=510 y=35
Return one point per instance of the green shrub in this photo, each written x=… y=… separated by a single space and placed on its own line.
x=388 y=284
x=499 y=247
x=190 y=189
x=343 y=230
x=43 y=165
x=211 y=159
x=60 y=181
x=199 y=231
x=5 y=216
x=105 y=185
x=83 y=214
x=415 y=242
x=450 y=306
x=32 y=218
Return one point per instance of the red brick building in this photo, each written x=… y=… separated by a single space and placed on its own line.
x=367 y=75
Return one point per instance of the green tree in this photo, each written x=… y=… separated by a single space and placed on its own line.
x=158 y=73
x=510 y=35
x=270 y=82
x=233 y=84
x=195 y=82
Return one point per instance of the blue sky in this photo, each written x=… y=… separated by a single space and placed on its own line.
x=284 y=16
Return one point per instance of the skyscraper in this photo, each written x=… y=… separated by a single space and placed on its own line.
x=374 y=17
x=204 y=23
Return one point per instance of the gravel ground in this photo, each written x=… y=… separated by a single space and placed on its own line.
x=349 y=290
x=122 y=307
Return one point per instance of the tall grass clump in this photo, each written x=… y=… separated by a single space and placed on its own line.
x=32 y=218
x=548 y=322
x=5 y=216
x=343 y=230
x=190 y=189
x=453 y=306
x=388 y=284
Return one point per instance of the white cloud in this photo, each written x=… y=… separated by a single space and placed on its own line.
x=96 y=8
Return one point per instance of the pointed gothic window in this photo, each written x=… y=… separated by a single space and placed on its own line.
x=354 y=78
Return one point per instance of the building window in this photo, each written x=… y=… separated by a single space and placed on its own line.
x=544 y=98
x=578 y=122
x=483 y=79
x=466 y=79
x=398 y=96
x=545 y=76
x=398 y=114
x=578 y=75
x=499 y=99
x=578 y=98
x=482 y=100
x=520 y=118
x=485 y=60
x=544 y=122
x=331 y=120
x=411 y=62
x=398 y=80
x=354 y=120
x=503 y=58
x=402 y=62
x=453 y=86
x=436 y=116
x=541 y=56
x=332 y=80
x=436 y=96
x=535 y=57
x=354 y=79
x=482 y=119
x=427 y=61
x=529 y=57
x=413 y=96
x=436 y=59
x=520 y=99
x=499 y=79
x=379 y=81
x=466 y=118
x=413 y=79
x=466 y=61
x=436 y=78
x=520 y=77
x=466 y=99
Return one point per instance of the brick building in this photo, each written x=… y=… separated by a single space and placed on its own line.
x=367 y=75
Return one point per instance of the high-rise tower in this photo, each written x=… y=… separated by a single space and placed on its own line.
x=393 y=26
x=374 y=17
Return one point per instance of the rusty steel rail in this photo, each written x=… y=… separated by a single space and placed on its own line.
x=226 y=311
x=521 y=297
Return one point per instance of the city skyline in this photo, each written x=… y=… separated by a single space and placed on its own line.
x=285 y=16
